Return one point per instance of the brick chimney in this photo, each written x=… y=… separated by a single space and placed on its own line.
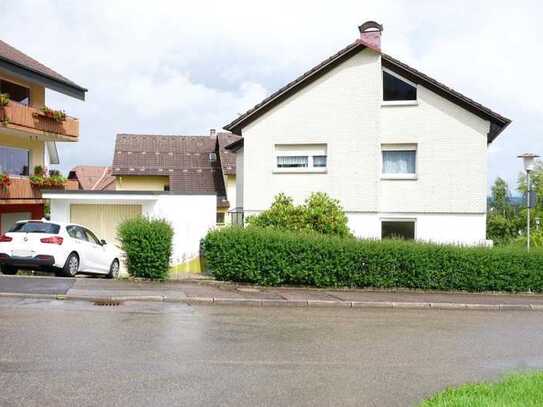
x=370 y=34
x=212 y=132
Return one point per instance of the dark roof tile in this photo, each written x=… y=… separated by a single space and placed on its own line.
x=185 y=159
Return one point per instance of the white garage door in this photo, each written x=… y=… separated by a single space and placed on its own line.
x=103 y=219
x=9 y=219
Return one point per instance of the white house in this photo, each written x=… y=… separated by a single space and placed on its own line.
x=404 y=154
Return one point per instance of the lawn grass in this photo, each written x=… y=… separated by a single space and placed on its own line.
x=518 y=390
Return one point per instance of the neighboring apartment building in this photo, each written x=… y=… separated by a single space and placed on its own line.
x=28 y=134
x=404 y=154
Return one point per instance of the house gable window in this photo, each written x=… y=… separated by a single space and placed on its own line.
x=300 y=158
x=399 y=161
x=398 y=229
x=14 y=161
x=397 y=90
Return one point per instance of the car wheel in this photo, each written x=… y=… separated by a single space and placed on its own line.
x=114 y=269
x=71 y=267
x=9 y=270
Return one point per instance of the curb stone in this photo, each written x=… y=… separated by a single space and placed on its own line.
x=288 y=303
x=326 y=303
x=515 y=307
x=483 y=307
x=284 y=303
x=412 y=305
x=237 y=301
x=371 y=304
x=447 y=305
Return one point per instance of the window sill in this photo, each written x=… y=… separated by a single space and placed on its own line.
x=400 y=177
x=399 y=103
x=300 y=171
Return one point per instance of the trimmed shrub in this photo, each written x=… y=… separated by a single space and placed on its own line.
x=148 y=246
x=271 y=257
x=319 y=213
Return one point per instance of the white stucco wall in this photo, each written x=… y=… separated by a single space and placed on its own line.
x=430 y=227
x=240 y=177
x=340 y=109
x=344 y=109
x=191 y=216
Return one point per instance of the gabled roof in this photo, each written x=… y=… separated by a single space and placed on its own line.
x=93 y=178
x=498 y=122
x=184 y=159
x=227 y=157
x=19 y=64
x=292 y=87
x=235 y=146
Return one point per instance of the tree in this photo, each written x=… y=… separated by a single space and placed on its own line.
x=503 y=222
x=319 y=213
x=501 y=197
x=536 y=179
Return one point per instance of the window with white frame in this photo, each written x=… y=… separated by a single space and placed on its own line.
x=301 y=158
x=399 y=160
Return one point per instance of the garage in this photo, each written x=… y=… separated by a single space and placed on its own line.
x=103 y=219
x=190 y=215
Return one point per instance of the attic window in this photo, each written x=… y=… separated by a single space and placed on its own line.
x=212 y=157
x=396 y=89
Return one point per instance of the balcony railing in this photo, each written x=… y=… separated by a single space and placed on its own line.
x=21 y=117
x=21 y=190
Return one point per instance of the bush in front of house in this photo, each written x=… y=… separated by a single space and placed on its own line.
x=271 y=257
x=319 y=213
x=148 y=246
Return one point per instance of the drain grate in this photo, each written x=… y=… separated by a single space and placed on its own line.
x=108 y=302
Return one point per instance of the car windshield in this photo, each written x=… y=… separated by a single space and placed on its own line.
x=35 y=227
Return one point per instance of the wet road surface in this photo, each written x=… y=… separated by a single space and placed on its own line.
x=35 y=285
x=56 y=353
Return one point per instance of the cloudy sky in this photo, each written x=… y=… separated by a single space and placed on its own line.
x=180 y=67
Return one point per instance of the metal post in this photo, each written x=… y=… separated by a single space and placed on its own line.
x=528 y=212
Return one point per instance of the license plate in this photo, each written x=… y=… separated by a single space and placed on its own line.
x=22 y=253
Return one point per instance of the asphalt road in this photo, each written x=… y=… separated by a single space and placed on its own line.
x=57 y=353
x=35 y=285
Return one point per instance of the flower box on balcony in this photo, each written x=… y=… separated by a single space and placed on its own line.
x=43 y=182
x=56 y=115
x=26 y=118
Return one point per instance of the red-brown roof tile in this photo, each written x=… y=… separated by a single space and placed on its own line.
x=13 y=55
x=227 y=157
x=93 y=178
x=190 y=162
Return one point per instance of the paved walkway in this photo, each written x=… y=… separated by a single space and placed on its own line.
x=213 y=292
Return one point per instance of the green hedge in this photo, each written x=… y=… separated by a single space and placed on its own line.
x=148 y=247
x=269 y=257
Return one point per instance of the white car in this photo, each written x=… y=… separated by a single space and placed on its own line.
x=66 y=249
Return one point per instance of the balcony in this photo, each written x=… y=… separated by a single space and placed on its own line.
x=21 y=191
x=21 y=118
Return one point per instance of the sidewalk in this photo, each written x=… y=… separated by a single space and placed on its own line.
x=214 y=292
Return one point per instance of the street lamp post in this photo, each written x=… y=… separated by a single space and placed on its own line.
x=528 y=159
